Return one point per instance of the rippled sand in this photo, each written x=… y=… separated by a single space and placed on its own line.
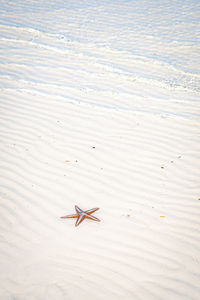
x=100 y=108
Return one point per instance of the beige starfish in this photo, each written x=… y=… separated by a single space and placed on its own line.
x=81 y=215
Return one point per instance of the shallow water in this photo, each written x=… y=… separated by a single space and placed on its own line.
x=100 y=108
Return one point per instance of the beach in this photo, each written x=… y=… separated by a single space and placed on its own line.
x=100 y=109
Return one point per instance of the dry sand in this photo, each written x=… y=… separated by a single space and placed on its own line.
x=93 y=125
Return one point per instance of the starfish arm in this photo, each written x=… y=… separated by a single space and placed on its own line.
x=78 y=210
x=70 y=216
x=79 y=220
x=90 y=211
x=92 y=218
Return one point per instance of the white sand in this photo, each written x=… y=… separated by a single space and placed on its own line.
x=100 y=108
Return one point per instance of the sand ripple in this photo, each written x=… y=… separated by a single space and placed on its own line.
x=98 y=125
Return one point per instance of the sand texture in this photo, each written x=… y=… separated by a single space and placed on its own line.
x=99 y=107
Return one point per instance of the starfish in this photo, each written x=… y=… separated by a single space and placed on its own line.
x=81 y=215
